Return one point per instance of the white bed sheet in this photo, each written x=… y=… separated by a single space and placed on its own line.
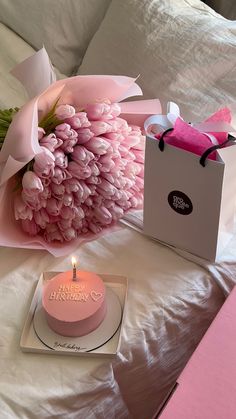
x=171 y=302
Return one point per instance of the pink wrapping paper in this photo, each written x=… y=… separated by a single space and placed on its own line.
x=21 y=142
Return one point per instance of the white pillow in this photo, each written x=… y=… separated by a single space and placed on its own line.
x=64 y=27
x=183 y=51
x=13 y=50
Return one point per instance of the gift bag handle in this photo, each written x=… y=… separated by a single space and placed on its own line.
x=206 y=153
x=161 y=143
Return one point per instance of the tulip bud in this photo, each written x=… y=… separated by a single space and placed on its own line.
x=64 y=111
x=31 y=183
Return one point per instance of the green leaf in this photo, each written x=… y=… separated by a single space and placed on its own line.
x=6 y=116
x=50 y=121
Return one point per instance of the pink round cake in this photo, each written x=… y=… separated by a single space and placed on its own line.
x=74 y=308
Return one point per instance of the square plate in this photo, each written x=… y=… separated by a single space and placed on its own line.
x=31 y=343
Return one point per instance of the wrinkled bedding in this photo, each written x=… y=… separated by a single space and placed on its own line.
x=171 y=302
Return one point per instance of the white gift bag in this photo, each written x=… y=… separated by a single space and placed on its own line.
x=186 y=204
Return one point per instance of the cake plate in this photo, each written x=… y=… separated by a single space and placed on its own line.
x=104 y=341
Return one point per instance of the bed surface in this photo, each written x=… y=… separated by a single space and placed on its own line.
x=171 y=302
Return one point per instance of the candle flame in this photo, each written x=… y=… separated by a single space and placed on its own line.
x=73 y=261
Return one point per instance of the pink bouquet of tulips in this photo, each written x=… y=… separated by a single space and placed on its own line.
x=71 y=158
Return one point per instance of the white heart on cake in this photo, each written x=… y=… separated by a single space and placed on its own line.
x=95 y=295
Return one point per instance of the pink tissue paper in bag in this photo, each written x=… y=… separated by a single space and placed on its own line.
x=192 y=138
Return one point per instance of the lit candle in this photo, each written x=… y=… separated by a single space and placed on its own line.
x=73 y=261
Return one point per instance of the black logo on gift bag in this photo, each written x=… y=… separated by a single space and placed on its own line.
x=180 y=202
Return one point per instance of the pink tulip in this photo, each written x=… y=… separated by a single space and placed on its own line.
x=31 y=183
x=79 y=120
x=84 y=228
x=109 y=177
x=123 y=151
x=108 y=203
x=141 y=170
x=132 y=140
x=94 y=228
x=51 y=142
x=92 y=189
x=139 y=184
x=115 y=110
x=82 y=154
x=77 y=225
x=94 y=168
x=64 y=132
x=78 y=194
x=69 y=234
x=30 y=227
x=68 y=199
x=53 y=233
x=124 y=204
x=94 y=180
x=21 y=209
x=41 y=218
x=57 y=191
x=120 y=125
x=116 y=212
x=119 y=182
x=103 y=215
x=107 y=186
x=89 y=202
x=102 y=111
x=139 y=199
x=139 y=156
x=44 y=163
x=78 y=171
x=61 y=159
x=68 y=144
x=97 y=111
x=79 y=213
x=100 y=127
x=64 y=111
x=60 y=175
x=64 y=224
x=120 y=165
x=106 y=163
x=32 y=202
x=67 y=213
x=117 y=195
x=128 y=183
x=98 y=199
x=86 y=190
x=71 y=185
x=132 y=169
x=141 y=144
x=98 y=145
x=134 y=202
x=84 y=135
x=53 y=206
x=115 y=136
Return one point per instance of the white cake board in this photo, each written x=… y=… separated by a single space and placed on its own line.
x=86 y=343
x=105 y=340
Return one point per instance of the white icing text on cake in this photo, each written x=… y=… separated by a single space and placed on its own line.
x=74 y=292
